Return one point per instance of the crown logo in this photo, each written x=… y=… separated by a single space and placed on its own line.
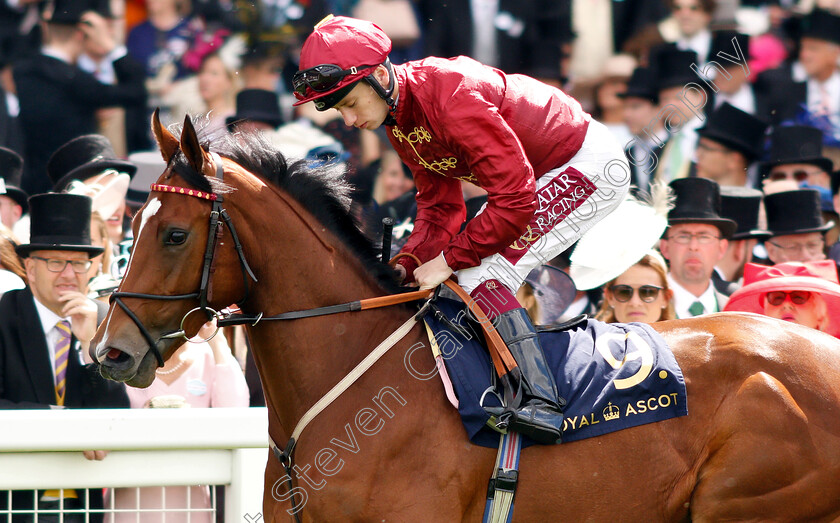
x=611 y=412
x=490 y=285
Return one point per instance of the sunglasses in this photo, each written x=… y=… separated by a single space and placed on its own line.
x=624 y=293
x=321 y=78
x=777 y=298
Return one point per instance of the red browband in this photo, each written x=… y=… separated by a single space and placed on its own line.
x=183 y=190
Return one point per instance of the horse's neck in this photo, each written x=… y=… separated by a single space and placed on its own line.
x=300 y=360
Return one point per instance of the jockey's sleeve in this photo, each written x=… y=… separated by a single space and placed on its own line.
x=497 y=160
x=440 y=213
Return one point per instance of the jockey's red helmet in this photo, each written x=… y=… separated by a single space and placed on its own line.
x=339 y=52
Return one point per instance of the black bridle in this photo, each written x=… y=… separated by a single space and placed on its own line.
x=217 y=215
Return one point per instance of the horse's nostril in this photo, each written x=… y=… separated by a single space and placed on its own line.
x=117 y=356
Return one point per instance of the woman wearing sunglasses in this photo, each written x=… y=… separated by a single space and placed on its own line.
x=551 y=172
x=639 y=294
x=805 y=293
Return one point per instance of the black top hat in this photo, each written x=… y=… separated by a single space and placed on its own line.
x=821 y=24
x=257 y=104
x=68 y=12
x=742 y=205
x=84 y=157
x=795 y=212
x=698 y=201
x=11 y=169
x=672 y=66
x=59 y=222
x=642 y=84
x=722 y=43
x=735 y=129
x=796 y=144
x=150 y=166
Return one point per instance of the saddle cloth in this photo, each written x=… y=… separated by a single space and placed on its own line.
x=613 y=376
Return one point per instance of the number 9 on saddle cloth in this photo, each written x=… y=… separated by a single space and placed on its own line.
x=613 y=376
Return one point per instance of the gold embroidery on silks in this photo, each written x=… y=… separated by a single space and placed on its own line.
x=419 y=135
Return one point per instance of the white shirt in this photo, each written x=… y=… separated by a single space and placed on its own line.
x=484 y=30
x=831 y=88
x=699 y=43
x=683 y=298
x=743 y=99
x=51 y=333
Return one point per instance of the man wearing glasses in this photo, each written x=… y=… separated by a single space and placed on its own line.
x=44 y=327
x=796 y=154
x=550 y=171
x=797 y=227
x=695 y=241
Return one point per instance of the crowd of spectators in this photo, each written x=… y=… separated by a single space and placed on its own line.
x=729 y=112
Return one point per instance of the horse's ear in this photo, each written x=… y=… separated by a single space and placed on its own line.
x=190 y=147
x=166 y=141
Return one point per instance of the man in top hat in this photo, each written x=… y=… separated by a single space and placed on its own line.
x=58 y=100
x=681 y=103
x=256 y=110
x=796 y=225
x=641 y=105
x=45 y=327
x=729 y=142
x=732 y=78
x=796 y=154
x=812 y=82
x=695 y=242
x=743 y=206
x=90 y=159
x=13 y=203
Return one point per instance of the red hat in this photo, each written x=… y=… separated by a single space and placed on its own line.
x=815 y=276
x=344 y=42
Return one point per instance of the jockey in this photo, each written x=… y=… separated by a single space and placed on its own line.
x=550 y=171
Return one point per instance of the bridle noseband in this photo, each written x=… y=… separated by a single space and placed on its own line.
x=217 y=214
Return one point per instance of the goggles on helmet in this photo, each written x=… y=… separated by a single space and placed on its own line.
x=321 y=78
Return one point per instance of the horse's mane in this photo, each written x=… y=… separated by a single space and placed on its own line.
x=322 y=190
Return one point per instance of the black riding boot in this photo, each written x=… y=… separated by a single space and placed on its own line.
x=539 y=416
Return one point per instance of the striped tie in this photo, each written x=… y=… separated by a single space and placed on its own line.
x=62 y=351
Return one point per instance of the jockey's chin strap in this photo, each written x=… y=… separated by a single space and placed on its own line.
x=217 y=215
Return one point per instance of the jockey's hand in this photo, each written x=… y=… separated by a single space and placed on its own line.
x=432 y=273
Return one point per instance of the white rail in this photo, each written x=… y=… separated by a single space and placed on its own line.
x=149 y=447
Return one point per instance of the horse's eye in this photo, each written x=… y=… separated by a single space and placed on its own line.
x=176 y=237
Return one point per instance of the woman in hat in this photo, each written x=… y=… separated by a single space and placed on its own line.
x=217 y=87
x=546 y=164
x=640 y=294
x=805 y=293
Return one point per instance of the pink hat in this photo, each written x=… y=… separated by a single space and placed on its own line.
x=815 y=276
x=347 y=43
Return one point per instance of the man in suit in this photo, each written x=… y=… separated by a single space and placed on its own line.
x=796 y=224
x=743 y=206
x=808 y=88
x=58 y=100
x=514 y=36
x=695 y=241
x=728 y=144
x=641 y=105
x=44 y=330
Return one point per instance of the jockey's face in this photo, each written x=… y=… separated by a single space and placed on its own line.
x=362 y=107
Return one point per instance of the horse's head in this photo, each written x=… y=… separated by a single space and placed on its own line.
x=182 y=264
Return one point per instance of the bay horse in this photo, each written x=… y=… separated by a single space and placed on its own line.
x=761 y=440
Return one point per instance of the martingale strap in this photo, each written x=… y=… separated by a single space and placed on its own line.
x=502 y=486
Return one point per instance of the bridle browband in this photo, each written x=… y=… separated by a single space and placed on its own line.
x=213 y=235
